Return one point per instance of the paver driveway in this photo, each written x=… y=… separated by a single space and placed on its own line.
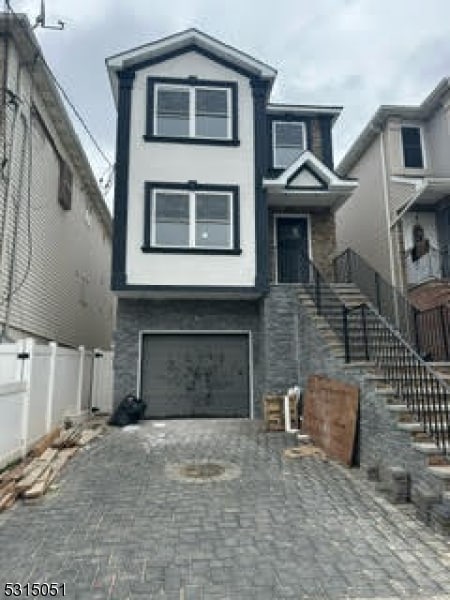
x=121 y=526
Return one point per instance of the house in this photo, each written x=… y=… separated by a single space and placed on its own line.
x=399 y=217
x=55 y=228
x=221 y=199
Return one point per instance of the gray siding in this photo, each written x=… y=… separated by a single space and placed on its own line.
x=65 y=295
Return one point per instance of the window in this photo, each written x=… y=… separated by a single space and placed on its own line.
x=172 y=111
x=192 y=112
x=412 y=147
x=289 y=141
x=65 y=185
x=191 y=219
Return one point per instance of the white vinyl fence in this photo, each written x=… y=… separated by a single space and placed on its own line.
x=40 y=385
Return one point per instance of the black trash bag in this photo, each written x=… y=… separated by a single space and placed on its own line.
x=129 y=411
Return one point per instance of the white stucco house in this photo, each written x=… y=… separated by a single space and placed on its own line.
x=55 y=228
x=221 y=196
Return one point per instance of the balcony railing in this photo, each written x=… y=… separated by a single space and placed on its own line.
x=432 y=265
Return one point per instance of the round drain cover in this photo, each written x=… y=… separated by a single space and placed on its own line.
x=202 y=471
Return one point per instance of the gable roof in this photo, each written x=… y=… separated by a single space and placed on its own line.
x=309 y=177
x=384 y=112
x=18 y=27
x=184 y=41
x=318 y=169
x=276 y=108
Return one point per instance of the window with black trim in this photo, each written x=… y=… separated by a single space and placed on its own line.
x=195 y=111
x=289 y=141
x=412 y=147
x=199 y=220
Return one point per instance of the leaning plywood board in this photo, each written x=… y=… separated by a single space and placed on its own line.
x=330 y=416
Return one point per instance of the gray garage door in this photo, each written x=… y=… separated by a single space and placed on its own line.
x=195 y=375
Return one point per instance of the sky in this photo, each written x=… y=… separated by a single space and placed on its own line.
x=354 y=53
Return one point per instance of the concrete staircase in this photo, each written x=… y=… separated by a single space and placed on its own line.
x=435 y=464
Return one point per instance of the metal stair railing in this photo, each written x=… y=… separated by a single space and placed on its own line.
x=366 y=334
x=413 y=325
x=425 y=392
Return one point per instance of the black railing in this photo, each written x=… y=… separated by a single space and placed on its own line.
x=327 y=302
x=433 y=332
x=427 y=332
x=425 y=392
x=366 y=335
x=349 y=267
x=445 y=261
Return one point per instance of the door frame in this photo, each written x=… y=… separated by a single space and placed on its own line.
x=276 y=217
x=246 y=332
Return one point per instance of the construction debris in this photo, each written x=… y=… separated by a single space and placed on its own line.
x=33 y=476
x=306 y=450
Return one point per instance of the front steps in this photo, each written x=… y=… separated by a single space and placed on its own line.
x=436 y=466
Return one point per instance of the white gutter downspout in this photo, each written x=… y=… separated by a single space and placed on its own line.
x=387 y=208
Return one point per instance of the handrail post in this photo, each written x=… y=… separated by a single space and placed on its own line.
x=416 y=329
x=349 y=266
x=364 y=323
x=318 y=298
x=346 y=333
x=377 y=291
x=444 y=332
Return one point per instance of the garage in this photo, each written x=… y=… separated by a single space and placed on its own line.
x=187 y=374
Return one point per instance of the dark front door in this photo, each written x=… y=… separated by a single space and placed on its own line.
x=292 y=250
x=195 y=375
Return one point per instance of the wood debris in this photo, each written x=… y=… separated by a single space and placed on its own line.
x=306 y=450
x=32 y=477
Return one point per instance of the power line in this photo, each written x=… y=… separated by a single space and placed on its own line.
x=63 y=91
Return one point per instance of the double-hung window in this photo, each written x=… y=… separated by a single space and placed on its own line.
x=412 y=147
x=289 y=141
x=191 y=219
x=189 y=111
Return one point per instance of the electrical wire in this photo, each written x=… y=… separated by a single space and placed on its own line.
x=62 y=91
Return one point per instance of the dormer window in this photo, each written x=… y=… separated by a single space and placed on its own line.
x=192 y=110
x=412 y=147
x=289 y=141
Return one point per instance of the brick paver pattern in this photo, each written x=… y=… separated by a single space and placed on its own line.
x=117 y=527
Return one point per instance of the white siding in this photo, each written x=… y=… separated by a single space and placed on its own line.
x=438 y=135
x=400 y=193
x=182 y=162
x=66 y=253
x=361 y=223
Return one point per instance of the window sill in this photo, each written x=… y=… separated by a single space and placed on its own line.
x=188 y=140
x=169 y=250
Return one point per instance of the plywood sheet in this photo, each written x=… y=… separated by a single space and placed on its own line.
x=330 y=416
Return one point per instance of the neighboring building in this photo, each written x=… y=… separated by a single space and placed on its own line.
x=55 y=228
x=220 y=197
x=399 y=217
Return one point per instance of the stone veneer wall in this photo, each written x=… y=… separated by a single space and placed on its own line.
x=296 y=349
x=316 y=139
x=323 y=233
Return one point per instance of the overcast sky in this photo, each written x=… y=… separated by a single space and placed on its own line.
x=355 y=53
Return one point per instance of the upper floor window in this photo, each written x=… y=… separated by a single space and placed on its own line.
x=197 y=219
x=289 y=141
x=412 y=147
x=192 y=110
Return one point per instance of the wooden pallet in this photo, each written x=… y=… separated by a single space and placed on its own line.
x=274 y=412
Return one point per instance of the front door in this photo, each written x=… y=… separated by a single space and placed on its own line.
x=292 y=249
